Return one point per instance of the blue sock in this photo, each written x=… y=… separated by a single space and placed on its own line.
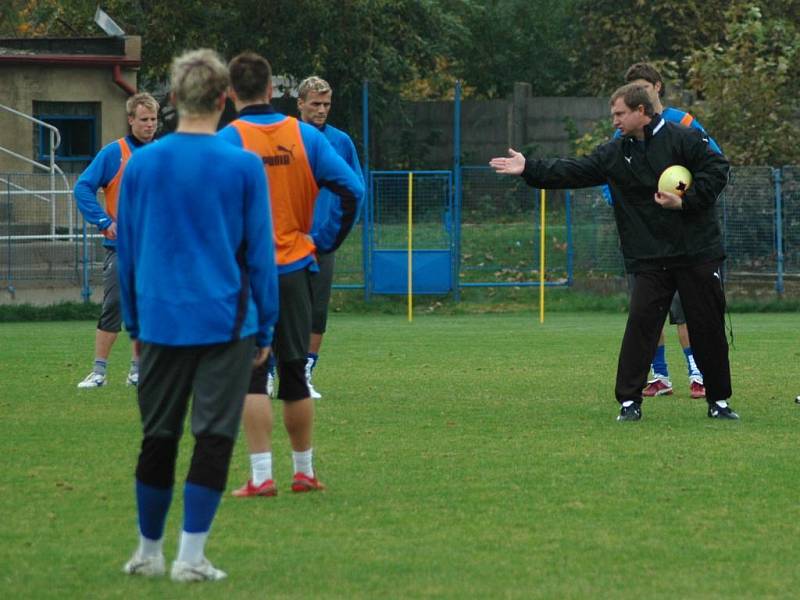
x=199 y=507
x=152 y=504
x=314 y=358
x=100 y=366
x=660 y=362
x=271 y=363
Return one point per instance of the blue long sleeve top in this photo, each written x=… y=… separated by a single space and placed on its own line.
x=196 y=259
x=328 y=206
x=99 y=173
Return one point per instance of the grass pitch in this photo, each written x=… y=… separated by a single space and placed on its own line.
x=465 y=456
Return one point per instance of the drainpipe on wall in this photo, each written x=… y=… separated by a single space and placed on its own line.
x=117 y=77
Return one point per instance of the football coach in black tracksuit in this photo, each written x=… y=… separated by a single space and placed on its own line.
x=668 y=242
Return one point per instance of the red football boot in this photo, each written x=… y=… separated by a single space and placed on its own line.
x=657 y=387
x=248 y=489
x=303 y=483
x=697 y=390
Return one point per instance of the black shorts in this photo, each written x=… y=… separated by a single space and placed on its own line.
x=215 y=375
x=258 y=379
x=111 y=314
x=321 y=284
x=676 y=314
x=293 y=330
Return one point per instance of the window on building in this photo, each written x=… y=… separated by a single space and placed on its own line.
x=78 y=123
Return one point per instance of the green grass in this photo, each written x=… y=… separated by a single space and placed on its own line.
x=466 y=456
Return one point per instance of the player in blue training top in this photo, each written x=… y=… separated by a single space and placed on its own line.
x=199 y=294
x=314 y=104
x=105 y=171
x=659 y=384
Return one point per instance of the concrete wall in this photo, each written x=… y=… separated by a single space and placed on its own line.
x=488 y=127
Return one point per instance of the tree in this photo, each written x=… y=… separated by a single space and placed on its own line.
x=749 y=84
x=389 y=42
x=614 y=35
x=504 y=41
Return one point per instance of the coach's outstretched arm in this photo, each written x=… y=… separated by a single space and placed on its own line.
x=557 y=173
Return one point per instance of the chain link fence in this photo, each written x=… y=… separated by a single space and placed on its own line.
x=790 y=200
x=493 y=230
x=501 y=231
x=41 y=230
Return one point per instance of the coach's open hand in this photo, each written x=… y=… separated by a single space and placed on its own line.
x=513 y=165
x=669 y=200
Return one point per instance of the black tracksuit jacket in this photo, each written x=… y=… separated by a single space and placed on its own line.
x=652 y=237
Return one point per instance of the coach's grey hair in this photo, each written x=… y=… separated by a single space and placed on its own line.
x=313 y=84
x=198 y=77
x=141 y=99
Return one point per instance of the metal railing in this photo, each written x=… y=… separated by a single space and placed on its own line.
x=52 y=168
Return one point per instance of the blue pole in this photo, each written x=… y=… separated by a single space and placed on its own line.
x=86 y=291
x=366 y=236
x=457 y=193
x=570 y=247
x=778 y=230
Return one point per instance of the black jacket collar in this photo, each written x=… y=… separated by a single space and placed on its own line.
x=653 y=127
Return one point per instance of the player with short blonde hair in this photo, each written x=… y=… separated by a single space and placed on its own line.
x=199 y=294
x=105 y=171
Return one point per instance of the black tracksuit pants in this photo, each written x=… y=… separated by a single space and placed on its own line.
x=703 y=298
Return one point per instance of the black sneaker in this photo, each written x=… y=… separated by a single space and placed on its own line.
x=715 y=411
x=630 y=413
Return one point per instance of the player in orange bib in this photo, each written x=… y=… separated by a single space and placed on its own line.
x=105 y=171
x=298 y=161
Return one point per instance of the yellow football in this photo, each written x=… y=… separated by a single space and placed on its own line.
x=675 y=179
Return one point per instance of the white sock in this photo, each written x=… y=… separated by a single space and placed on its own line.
x=261 y=467
x=722 y=403
x=148 y=547
x=693 y=370
x=303 y=462
x=192 y=546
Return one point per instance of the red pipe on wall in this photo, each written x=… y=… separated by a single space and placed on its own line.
x=117 y=77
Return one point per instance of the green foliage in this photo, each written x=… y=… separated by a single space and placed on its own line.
x=614 y=35
x=750 y=83
x=742 y=79
x=515 y=40
x=465 y=457
x=586 y=143
x=388 y=42
x=63 y=311
x=734 y=64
